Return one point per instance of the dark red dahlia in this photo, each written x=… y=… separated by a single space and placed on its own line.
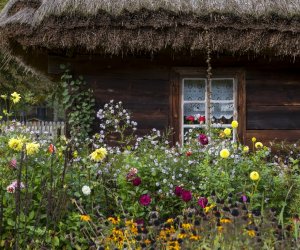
x=186 y=195
x=178 y=191
x=136 y=181
x=202 y=202
x=145 y=200
x=203 y=139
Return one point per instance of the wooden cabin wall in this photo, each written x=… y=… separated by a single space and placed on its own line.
x=142 y=86
x=273 y=104
x=272 y=90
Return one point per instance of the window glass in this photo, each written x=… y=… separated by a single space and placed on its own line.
x=222 y=113
x=193 y=113
x=222 y=89
x=194 y=90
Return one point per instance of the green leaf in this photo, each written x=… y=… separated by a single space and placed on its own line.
x=55 y=241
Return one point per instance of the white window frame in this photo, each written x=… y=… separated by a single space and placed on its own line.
x=207 y=102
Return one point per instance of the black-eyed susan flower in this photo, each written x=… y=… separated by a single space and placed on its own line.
x=194 y=237
x=225 y=221
x=186 y=226
x=85 y=217
x=251 y=233
x=114 y=220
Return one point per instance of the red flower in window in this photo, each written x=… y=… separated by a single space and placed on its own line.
x=202 y=119
x=190 y=118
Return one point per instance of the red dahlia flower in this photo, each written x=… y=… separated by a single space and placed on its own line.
x=145 y=200
x=178 y=191
x=202 y=202
x=202 y=119
x=203 y=139
x=190 y=118
x=186 y=195
x=136 y=181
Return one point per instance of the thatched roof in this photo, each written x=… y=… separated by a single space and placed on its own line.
x=120 y=26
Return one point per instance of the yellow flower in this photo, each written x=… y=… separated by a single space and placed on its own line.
x=253 y=139
x=258 y=145
x=227 y=131
x=114 y=220
x=195 y=237
x=251 y=233
x=170 y=221
x=224 y=153
x=225 y=220
x=147 y=241
x=208 y=208
x=15 y=144
x=173 y=245
x=99 y=154
x=32 y=148
x=4 y=97
x=75 y=154
x=186 y=226
x=85 y=217
x=234 y=124
x=15 y=97
x=246 y=149
x=254 y=176
x=181 y=236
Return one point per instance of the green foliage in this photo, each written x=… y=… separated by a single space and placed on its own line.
x=52 y=210
x=79 y=104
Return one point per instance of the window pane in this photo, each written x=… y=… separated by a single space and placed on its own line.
x=222 y=89
x=194 y=90
x=222 y=112
x=194 y=113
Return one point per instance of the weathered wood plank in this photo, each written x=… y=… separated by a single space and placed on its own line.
x=273 y=117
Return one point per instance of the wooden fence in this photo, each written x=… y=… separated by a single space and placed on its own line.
x=45 y=128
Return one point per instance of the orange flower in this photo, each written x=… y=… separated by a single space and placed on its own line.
x=51 y=149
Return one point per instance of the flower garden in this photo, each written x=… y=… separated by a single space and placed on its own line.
x=116 y=190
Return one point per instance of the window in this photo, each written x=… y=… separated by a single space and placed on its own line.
x=199 y=108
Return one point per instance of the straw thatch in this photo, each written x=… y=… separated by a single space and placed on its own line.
x=118 y=26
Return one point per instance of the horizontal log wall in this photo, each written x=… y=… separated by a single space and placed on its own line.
x=273 y=104
x=272 y=93
x=141 y=86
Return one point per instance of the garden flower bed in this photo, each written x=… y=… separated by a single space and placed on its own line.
x=144 y=193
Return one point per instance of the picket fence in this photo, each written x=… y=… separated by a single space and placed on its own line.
x=45 y=128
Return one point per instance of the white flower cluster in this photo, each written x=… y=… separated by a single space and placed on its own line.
x=114 y=119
